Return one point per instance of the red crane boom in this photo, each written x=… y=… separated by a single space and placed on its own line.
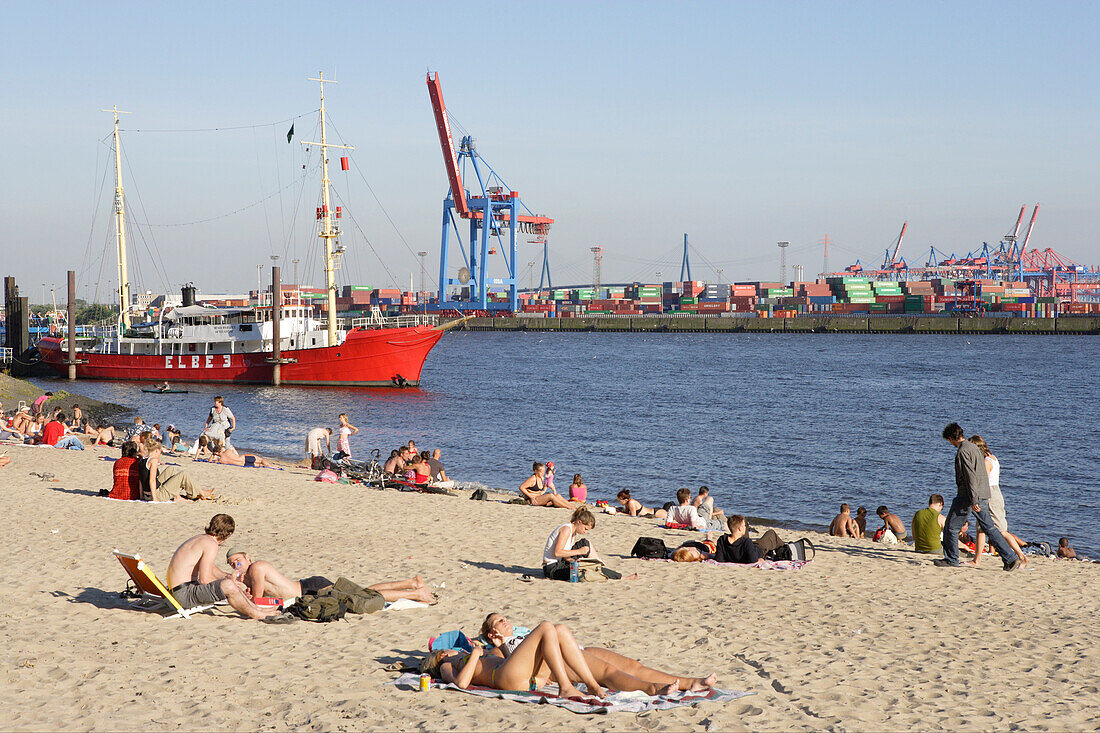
x=446 y=143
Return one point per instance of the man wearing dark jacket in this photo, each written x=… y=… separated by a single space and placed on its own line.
x=737 y=547
x=973 y=496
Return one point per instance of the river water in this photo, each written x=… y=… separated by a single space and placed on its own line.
x=779 y=426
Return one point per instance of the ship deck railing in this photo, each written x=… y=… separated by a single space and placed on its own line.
x=405 y=321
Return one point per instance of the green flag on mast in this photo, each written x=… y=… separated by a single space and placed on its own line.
x=290 y=132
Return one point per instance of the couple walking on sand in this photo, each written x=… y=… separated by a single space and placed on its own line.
x=972 y=480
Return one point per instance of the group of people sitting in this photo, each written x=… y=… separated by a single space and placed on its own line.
x=420 y=468
x=47 y=427
x=195 y=579
x=141 y=475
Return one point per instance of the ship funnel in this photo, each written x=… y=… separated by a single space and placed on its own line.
x=189 y=294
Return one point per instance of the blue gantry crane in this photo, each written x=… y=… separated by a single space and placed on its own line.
x=495 y=216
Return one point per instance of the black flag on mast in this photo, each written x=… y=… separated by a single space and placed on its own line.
x=290 y=132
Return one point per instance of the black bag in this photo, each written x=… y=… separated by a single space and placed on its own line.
x=479 y=495
x=783 y=552
x=321 y=609
x=650 y=547
x=802 y=550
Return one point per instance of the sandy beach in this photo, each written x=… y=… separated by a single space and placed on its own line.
x=866 y=637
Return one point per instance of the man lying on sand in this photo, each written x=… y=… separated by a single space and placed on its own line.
x=196 y=581
x=228 y=455
x=609 y=668
x=263 y=580
x=737 y=547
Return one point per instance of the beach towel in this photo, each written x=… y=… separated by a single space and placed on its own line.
x=615 y=702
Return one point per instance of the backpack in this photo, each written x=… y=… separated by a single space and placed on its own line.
x=796 y=550
x=318 y=608
x=650 y=547
x=479 y=495
x=354 y=597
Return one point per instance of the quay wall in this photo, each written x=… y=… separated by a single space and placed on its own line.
x=1076 y=325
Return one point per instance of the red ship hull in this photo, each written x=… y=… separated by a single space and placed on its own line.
x=367 y=358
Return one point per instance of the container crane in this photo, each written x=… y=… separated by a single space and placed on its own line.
x=493 y=214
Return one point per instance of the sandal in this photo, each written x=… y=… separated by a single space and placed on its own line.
x=526 y=578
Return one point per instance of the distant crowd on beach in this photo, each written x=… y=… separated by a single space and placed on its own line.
x=504 y=653
x=979 y=495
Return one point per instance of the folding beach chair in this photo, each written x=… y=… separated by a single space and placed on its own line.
x=152 y=593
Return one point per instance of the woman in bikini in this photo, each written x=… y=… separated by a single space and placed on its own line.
x=534 y=489
x=546 y=645
x=612 y=670
x=634 y=508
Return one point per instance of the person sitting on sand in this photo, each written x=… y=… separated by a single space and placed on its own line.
x=890 y=523
x=439 y=473
x=263 y=580
x=166 y=483
x=684 y=514
x=135 y=430
x=174 y=438
x=127 y=480
x=577 y=490
x=843 y=525
x=396 y=463
x=534 y=489
x=564 y=545
x=1065 y=552
x=610 y=669
x=417 y=471
x=696 y=550
x=737 y=547
x=196 y=581
x=634 y=508
x=928 y=526
x=228 y=455
x=545 y=644
x=861 y=521
x=704 y=504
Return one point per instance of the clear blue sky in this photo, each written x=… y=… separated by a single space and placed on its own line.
x=629 y=123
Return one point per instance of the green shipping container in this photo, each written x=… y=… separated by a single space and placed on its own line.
x=689 y=301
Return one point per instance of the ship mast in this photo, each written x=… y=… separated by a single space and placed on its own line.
x=329 y=231
x=120 y=229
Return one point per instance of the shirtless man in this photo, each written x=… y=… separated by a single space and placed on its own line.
x=891 y=522
x=704 y=503
x=843 y=525
x=228 y=455
x=396 y=464
x=196 y=581
x=263 y=579
x=861 y=521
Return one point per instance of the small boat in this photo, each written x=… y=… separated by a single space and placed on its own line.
x=165 y=391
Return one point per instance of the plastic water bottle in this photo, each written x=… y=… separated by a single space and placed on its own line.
x=574 y=571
